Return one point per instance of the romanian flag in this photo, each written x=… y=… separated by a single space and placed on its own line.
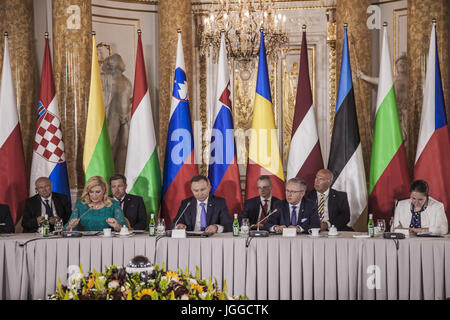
x=433 y=148
x=97 y=156
x=264 y=154
x=389 y=179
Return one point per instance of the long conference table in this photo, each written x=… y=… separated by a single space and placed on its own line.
x=302 y=267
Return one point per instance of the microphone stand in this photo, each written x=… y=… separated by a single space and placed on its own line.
x=261 y=233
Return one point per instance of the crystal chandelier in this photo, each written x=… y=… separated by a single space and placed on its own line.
x=241 y=21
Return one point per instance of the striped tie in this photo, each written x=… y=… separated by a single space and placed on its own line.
x=321 y=206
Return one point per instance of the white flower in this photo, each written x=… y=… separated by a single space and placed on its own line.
x=202 y=295
x=193 y=281
x=113 y=285
x=184 y=297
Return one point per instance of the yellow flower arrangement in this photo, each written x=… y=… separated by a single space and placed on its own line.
x=197 y=287
x=172 y=276
x=144 y=293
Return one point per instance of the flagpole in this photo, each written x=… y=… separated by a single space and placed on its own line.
x=359 y=81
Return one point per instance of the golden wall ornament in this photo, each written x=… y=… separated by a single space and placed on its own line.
x=16 y=18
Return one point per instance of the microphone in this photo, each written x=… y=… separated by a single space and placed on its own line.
x=261 y=233
x=182 y=213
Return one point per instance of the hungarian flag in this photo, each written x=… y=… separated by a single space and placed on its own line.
x=97 y=156
x=389 y=179
x=49 y=159
x=264 y=153
x=346 y=161
x=13 y=186
x=305 y=156
x=223 y=168
x=142 y=166
x=179 y=165
x=433 y=148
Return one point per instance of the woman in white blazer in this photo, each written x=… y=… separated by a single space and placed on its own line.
x=420 y=213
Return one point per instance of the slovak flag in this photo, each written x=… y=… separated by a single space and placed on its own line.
x=49 y=159
x=433 y=148
x=179 y=165
x=223 y=168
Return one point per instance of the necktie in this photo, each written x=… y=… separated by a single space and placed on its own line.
x=48 y=209
x=321 y=206
x=265 y=207
x=294 y=217
x=203 y=216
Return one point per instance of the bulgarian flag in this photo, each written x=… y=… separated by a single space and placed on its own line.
x=142 y=166
x=264 y=154
x=97 y=155
x=389 y=179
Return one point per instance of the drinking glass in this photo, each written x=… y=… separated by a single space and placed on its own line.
x=58 y=226
x=160 y=227
x=245 y=227
x=381 y=225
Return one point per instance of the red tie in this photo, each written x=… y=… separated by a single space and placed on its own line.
x=265 y=207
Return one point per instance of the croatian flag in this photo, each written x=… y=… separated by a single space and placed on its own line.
x=223 y=168
x=433 y=147
x=48 y=155
x=179 y=166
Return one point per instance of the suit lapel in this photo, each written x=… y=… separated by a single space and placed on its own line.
x=210 y=210
x=126 y=202
x=331 y=203
x=193 y=211
x=286 y=214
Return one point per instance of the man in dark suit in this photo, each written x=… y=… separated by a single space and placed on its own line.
x=203 y=211
x=55 y=205
x=294 y=212
x=132 y=206
x=332 y=205
x=6 y=222
x=257 y=208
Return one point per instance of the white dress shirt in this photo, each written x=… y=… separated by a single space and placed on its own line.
x=433 y=217
x=50 y=203
x=197 y=226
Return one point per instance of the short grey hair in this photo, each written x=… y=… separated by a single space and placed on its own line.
x=297 y=180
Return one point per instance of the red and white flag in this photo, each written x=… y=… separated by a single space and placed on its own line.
x=13 y=186
x=433 y=148
x=305 y=157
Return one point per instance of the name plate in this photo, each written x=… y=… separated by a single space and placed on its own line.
x=404 y=231
x=178 y=233
x=289 y=232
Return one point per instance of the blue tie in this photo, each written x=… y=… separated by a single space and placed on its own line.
x=203 y=216
x=293 y=217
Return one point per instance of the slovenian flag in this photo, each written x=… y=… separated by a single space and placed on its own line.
x=97 y=155
x=13 y=177
x=305 y=156
x=264 y=154
x=433 y=147
x=389 y=178
x=223 y=168
x=179 y=165
x=346 y=160
x=49 y=159
x=142 y=166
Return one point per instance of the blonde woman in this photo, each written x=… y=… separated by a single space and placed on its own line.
x=96 y=211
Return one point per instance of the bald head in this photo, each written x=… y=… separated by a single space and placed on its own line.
x=43 y=187
x=324 y=178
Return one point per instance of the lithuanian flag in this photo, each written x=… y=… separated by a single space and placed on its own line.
x=97 y=156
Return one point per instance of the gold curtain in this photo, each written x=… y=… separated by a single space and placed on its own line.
x=72 y=27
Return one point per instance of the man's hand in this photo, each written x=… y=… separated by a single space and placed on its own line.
x=323 y=226
x=40 y=220
x=180 y=226
x=52 y=220
x=279 y=229
x=211 y=229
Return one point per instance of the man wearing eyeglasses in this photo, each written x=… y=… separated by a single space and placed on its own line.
x=294 y=212
x=55 y=205
x=257 y=208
